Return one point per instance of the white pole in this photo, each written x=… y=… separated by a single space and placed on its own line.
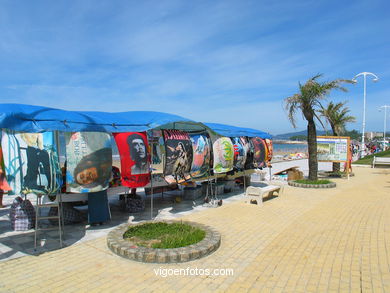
x=364 y=116
x=384 y=124
x=384 y=131
x=364 y=74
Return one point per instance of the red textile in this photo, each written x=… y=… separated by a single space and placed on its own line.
x=3 y=181
x=135 y=158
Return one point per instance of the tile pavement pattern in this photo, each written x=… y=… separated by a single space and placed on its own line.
x=322 y=240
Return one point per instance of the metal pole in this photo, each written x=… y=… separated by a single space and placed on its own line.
x=364 y=116
x=151 y=178
x=384 y=124
x=364 y=74
x=384 y=131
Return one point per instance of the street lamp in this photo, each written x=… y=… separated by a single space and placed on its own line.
x=364 y=74
x=384 y=126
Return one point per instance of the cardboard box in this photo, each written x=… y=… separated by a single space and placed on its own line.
x=294 y=174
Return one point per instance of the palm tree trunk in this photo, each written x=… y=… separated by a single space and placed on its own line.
x=312 y=148
x=336 y=167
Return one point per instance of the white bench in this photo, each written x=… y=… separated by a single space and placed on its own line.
x=260 y=191
x=380 y=161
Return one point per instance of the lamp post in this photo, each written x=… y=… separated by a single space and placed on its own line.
x=376 y=78
x=384 y=124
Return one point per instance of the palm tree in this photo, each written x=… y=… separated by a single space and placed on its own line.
x=308 y=102
x=337 y=117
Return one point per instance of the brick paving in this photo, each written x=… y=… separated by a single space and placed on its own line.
x=308 y=240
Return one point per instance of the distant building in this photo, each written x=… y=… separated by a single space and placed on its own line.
x=372 y=134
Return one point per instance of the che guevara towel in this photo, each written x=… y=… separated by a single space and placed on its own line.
x=135 y=158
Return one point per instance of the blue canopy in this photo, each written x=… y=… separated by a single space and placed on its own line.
x=29 y=118
x=233 y=131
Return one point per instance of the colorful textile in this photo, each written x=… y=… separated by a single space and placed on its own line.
x=259 y=154
x=201 y=147
x=4 y=186
x=158 y=151
x=135 y=158
x=239 y=153
x=178 y=148
x=89 y=161
x=31 y=162
x=270 y=149
x=115 y=177
x=223 y=155
x=249 y=152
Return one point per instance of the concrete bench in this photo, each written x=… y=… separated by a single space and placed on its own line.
x=259 y=192
x=380 y=161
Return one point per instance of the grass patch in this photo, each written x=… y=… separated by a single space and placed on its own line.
x=164 y=235
x=367 y=160
x=337 y=174
x=305 y=181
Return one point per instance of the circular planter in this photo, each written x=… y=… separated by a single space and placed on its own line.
x=127 y=249
x=303 y=185
x=331 y=175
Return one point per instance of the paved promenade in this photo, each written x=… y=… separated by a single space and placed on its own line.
x=330 y=240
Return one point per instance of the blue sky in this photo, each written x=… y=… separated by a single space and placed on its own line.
x=229 y=62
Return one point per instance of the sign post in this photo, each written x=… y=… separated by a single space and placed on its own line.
x=335 y=149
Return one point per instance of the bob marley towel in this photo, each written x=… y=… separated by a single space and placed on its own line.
x=31 y=162
x=201 y=147
x=223 y=155
x=135 y=159
x=89 y=161
x=178 y=148
x=259 y=152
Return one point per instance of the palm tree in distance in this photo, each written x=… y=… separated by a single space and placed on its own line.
x=337 y=117
x=308 y=101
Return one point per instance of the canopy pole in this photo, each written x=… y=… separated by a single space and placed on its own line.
x=151 y=178
x=270 y=172
x=244 y=181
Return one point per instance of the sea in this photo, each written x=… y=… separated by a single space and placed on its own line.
x=290 y=148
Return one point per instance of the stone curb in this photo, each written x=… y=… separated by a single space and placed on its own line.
x=126 y=249
x=325 y=174
x=302 y=185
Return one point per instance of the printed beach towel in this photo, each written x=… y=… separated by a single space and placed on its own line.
x=135 y=158
x=158 y=152
x=239 y=153
x=201 y=147
x=270 y=149
x=31 y=162
x=178 y=148
x=249 y=152
x=89 y=161
x=4 y=186
x=259 y=153
x=223 y=155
